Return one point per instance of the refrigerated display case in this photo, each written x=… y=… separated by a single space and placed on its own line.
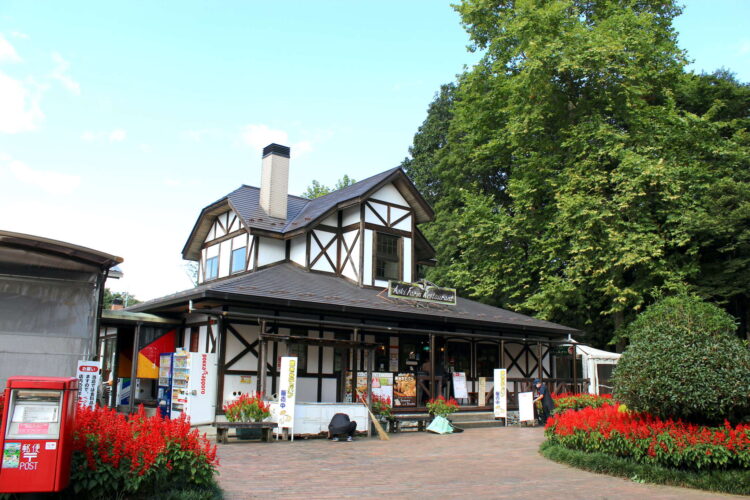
x=164 y=396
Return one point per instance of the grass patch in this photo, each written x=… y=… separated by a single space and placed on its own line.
x=723 y=481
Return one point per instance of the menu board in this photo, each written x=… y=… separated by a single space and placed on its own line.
x=459 y=386
x=382 y=386
x=405 y=390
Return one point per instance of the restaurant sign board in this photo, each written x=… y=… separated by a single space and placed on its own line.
x=423 y=291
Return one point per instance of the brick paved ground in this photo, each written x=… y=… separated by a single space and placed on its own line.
x=479 y=463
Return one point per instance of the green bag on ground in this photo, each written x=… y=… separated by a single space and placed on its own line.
x=440 y=425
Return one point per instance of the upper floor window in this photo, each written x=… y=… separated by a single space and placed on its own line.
x=238 y=260
x=212 y=268
x=387 y=257
x=299 y=349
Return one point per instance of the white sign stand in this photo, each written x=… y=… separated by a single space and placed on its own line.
x=88 y=373
x=287 y=393
x=500 y=391
x=525 y=406
x=459 y=386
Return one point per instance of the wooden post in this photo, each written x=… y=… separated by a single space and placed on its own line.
x=539 y=355
x=433 y=355
x=502 y=354
x=575 y=371
x=262 y=359
x=221 y=329
x=370 y=361
x=134 y=367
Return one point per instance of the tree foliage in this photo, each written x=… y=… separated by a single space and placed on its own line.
x=577 y=168
x=685 y=362
x=316 y=189
x=123 y=298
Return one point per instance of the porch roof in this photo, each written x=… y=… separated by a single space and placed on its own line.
x=289 y=286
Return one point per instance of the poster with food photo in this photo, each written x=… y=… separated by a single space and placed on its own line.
x=405 y=390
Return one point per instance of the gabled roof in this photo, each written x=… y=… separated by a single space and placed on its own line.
x=286 y=285
x=301 y=212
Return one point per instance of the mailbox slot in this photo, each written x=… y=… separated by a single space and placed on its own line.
x=34 y=414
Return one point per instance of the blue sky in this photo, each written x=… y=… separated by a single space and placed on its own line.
x=120 y=121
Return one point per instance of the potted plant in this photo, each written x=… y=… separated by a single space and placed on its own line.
x=441 y=407
x=248 y=408
x=381 y=407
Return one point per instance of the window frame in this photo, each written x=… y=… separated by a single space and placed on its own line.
x=216 y=275
x=376 y=255
x=244 y=260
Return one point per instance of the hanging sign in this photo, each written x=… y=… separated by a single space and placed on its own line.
x=88 y=373
x=500 y=393
x=525 y=406
x=459 y=386
x=423 y=291
x=287 y=391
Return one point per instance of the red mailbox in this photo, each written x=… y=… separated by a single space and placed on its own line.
x=37 y=434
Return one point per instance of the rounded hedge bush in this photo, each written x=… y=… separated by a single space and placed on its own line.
x=684 y=361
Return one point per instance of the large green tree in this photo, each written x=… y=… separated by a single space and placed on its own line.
x=316 y=189
x=578 y=168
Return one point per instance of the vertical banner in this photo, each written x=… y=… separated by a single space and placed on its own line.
x=482 y=391
x=287 y=391
x=525 y=406
x=459 y=386
x=88 y=373
x=501 y=393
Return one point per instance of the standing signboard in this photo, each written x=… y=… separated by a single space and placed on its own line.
x=382 y=387
x=501 y=393
x=459 y=386
x=482 y=391
x=88 y=373
x=405 y=390
x=287 y=393
x=525 y=406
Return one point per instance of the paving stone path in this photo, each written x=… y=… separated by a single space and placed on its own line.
x=478 y=463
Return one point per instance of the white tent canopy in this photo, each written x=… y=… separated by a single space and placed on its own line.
x=597 y=367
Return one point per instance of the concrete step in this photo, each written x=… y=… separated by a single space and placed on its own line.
x=473 y=416
x=474 y=424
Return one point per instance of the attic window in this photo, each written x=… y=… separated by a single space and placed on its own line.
x=387 y=257
x=212 y=268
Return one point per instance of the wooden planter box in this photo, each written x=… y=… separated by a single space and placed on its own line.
x=222 y=429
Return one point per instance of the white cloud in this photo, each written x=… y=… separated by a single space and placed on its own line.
x=117 y=135
x=7 y=52
x=47 y=180
x=260 y=136
x=60 y=74
x=18 y=34
x=19 y=107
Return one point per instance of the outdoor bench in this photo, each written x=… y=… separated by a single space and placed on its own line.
x=396 y=421
x=222 y=429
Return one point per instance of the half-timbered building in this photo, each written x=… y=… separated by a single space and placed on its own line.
x=283 y=275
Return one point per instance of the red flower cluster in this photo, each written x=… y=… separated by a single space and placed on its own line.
x=247 y=408
x=442 y=407
x=139 y=445
x=644 y=438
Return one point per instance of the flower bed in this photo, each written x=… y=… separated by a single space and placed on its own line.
x=613 y=430
x=115 y=455
x=570 y=401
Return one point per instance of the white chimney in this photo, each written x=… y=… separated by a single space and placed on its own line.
x=274 y=182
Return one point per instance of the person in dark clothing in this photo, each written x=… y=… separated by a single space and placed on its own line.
x=543 y=395
x=340 y=425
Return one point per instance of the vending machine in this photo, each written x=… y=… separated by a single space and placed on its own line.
x=194 y=386
x=164 y=395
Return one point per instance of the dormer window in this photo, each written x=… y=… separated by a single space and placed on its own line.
x=212 y=268
x=387 y=257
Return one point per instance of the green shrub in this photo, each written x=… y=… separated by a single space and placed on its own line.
x=684 y=361
x=725 y=481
